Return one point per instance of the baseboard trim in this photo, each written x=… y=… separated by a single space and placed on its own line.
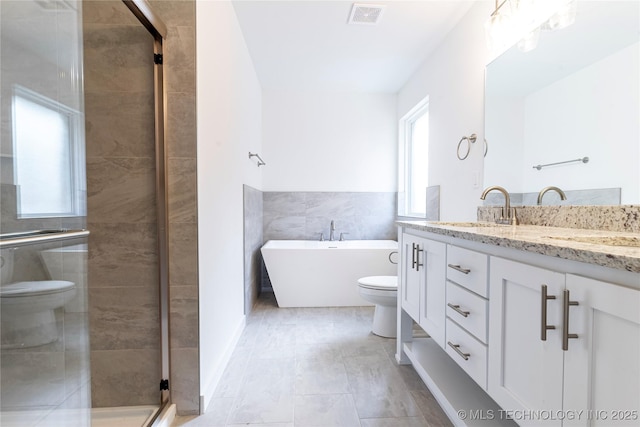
x=205 y=399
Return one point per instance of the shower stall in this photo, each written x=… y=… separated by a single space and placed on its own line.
x=83 y=214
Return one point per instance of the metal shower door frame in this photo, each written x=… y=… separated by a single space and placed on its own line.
x=152 y=22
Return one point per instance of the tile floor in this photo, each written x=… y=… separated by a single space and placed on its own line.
x=317 y=367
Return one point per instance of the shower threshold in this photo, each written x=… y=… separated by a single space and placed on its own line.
x=123 y=416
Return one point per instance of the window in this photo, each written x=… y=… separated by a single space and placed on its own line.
x=414 y=158
x=47 y=153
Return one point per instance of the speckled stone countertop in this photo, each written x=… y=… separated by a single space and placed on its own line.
x=619 y=250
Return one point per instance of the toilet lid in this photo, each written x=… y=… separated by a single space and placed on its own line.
x=384 y=283
x=38 y=287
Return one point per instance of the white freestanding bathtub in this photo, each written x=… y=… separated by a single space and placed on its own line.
x=308 y=273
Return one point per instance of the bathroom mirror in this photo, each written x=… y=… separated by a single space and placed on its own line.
x=575 y=95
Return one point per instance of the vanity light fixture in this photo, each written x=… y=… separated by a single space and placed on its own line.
x=520 y=21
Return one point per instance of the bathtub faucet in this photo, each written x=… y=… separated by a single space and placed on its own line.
x=332 y=230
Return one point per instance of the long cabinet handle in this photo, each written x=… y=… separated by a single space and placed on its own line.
x=566 y=303
x=413 y=256
x=543 y=316
x=456 y=348
x=457 y=309
x=460 y=269
x=418 y=250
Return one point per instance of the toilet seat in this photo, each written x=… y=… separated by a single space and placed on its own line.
x=33 y=288
x=379 y=283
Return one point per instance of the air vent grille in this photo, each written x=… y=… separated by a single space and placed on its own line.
x=368 y=14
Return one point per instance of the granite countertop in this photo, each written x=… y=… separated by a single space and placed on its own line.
x=619 y=250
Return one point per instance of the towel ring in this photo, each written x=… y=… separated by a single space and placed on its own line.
x=470 y=140
x=486 y=147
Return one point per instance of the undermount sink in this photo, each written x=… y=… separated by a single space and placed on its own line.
x=468 y=224
x=629 y=241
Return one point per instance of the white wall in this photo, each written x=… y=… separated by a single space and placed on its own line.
x=329 y=141
x=453 y=78
x=505 y=123
x=229 y=126
x=603 y=126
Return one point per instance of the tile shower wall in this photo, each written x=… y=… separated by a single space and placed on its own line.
x=253 y=240
x=124 y=360
x=180 y=87
x=121 y=208
x=306 y=215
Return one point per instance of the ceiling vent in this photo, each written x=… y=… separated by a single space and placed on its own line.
x=368 y=14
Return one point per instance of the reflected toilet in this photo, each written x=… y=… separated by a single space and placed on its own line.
x=27 y=311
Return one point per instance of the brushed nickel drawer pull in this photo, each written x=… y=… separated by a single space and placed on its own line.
x=566 y=302
x=456 y=348
x=543 y=317
x=460 y=269
x=457 y=309
x=418 y=250
x=413 y=256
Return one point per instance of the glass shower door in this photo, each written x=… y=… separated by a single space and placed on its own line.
x=44 y=344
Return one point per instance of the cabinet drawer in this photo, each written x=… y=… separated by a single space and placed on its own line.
x=469 y=353
x=468 y=310
x=468 y=268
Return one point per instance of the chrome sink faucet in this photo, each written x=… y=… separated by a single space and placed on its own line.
x=551 y=187
x=506 y=217
x=332 y=230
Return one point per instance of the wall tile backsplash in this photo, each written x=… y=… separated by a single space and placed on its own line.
x=596 y=196
x=307 y=215
x=253 y=240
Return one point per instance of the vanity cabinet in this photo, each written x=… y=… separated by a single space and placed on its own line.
x=423 y=284
x=563 y=343
x=519 y=337
x=411 y=281
x=602 y=365
x=466 y=311
x=525 y=371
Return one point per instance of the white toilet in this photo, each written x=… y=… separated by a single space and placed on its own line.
x=27 y=311
x=383 y=292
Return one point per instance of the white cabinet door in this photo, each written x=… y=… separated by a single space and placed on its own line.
x=602 y=365
x=433 y=257
x=411 y=276
x=525 y=372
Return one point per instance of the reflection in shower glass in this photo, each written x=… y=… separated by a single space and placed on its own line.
x=45 y=140
x=44 y=319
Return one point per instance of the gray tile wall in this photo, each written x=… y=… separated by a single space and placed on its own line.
x=253 y=240
x=433 y=203
x=595 y=196
x=180 y=87
x=120 y=173
x=121 y=207
x=304 y=215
